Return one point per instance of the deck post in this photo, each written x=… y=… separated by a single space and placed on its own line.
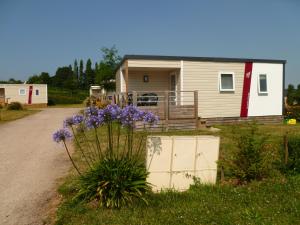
x=166 y=110
x=134 y=98
x=196 y=102
x=126 y=76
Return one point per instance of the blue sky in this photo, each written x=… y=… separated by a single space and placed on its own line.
x=40 y=35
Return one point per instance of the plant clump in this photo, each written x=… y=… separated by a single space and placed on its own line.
x=253 y=157
x=114 y=172
x=15 y=106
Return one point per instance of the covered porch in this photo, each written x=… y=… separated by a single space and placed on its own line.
x=158 y=87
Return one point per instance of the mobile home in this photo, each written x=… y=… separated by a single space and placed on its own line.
x=27 y=94
x=228 y=89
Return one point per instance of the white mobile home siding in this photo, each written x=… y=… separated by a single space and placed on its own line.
x=154 y=63
x=158 y=81
x=204 y=77
x=12 y=93
x=270 y=103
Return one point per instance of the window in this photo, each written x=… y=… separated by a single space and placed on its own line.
x=22 y=91
x=262 y=84
x=37 y=92
x=226 y=82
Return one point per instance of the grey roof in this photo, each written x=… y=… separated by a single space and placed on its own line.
x=207 y=59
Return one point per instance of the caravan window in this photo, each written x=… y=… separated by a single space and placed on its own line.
x=226 y=82
x=262 y=84
x=22 y=91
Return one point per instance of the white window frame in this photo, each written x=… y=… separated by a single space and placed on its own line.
x=220 y=84
x=24 y=91
x=258 y=84
x=38 y=92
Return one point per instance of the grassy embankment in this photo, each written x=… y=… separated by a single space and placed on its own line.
x=273 y=201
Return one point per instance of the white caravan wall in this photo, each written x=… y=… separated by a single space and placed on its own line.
x=270 y=103
x=173 y=161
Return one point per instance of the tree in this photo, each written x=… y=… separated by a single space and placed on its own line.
x=45 y=78
x=105 y=74
x=35 y=79
x=291 y=94
x=64 y=78
x=81 y=74
x=89 y=74
x=75 y=70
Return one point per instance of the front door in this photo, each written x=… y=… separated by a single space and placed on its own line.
x=2 y=96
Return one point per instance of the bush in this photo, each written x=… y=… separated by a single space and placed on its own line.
x=252 y=157
x=293 y=113
x=50 y=102
x=15 y=106
x=293 y=164
x=114 y=182
x=63 y=100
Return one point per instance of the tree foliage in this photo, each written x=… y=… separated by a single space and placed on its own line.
x=84 y=75
x=105 y=74
x=293 y=95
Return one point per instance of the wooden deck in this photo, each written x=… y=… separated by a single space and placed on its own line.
x=176 y=110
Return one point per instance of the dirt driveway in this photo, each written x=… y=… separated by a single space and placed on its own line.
x=30 y=164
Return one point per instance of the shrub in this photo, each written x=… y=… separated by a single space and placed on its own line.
x=252 y=157
x=293 y=113
x=15 y=106
x=64 y=100
x=293 y=164
x=114 y=182
x=51 y=102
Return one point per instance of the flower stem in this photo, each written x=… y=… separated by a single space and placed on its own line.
x=71 y=158
x=81 y=150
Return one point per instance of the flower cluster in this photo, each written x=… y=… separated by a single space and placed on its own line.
x=130 y=114
x=150 y=118
x=111 y=113
x=74 y=120
x=61 y=135
x=95 y=117
x=127 y=116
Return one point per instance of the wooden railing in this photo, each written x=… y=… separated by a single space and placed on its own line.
x=176 y=109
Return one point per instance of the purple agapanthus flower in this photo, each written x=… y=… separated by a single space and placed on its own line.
x=91 y=111
x=131 y=114
x=150 y=118
x=74 y=120
x=77 y=119
x=94 y=121
x=111 y=113
x=68 y=122
x=61 y=135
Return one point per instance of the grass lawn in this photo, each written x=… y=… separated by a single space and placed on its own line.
x=275 y=201
x=9 y=115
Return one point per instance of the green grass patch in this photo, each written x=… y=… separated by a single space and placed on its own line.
x=10 y=115
x=268 y=202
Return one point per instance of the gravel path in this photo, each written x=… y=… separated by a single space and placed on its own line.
x=30 y=164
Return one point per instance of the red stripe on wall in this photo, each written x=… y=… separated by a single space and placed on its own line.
x=246 y=89
x=30 y=94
